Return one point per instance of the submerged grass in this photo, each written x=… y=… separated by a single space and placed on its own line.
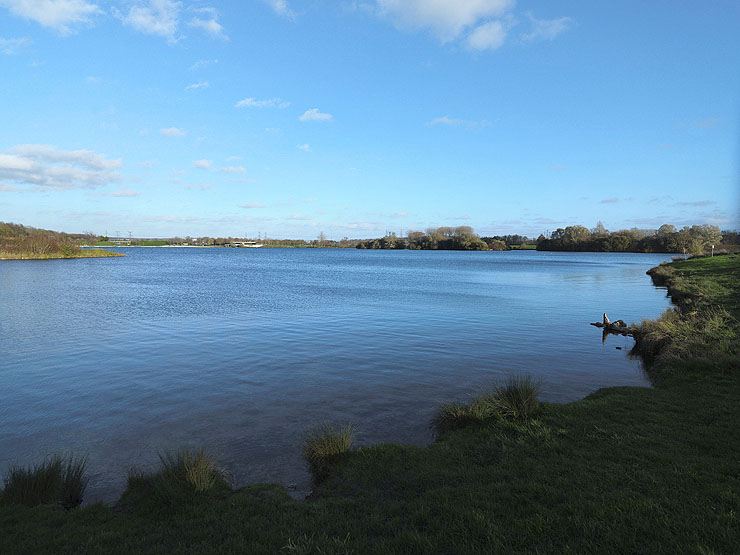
x=625 y=470
x=55 y=481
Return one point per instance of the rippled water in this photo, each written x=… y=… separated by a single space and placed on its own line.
x=241 y=350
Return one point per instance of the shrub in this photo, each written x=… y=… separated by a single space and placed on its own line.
x=182 y=476
x=326 y=446
x=55 y=481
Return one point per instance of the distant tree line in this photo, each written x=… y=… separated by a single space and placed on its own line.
x=696 y=239
x=460 y=238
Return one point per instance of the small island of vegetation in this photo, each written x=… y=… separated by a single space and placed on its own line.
x=19 y=242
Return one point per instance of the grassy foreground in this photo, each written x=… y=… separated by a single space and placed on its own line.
x=625 y=470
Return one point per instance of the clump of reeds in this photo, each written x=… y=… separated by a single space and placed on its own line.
x=706 y=334
x=326 y=446
x=57 y=480
x=514 y=399
x=181 y=476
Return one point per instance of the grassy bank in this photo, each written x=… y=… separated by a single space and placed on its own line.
x=625 y=470
x=65 y=253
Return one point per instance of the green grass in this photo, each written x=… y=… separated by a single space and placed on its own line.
x=325 y=447
x=182 y=477
x=514 y=399
x=65 y=253
x=57 y=480
x=625 y=470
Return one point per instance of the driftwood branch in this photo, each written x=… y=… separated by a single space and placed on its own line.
x=616 y=327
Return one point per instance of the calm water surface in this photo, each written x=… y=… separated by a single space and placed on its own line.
x=241 y=351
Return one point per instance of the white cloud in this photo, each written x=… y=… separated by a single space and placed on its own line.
x=281 y=8
x=146 y=163
x=547 y=29
x=126 y=192
x=252 y=102
x=300 y=217
x=61 y=15
x=155 y=17
x=47 y=167
x=202 y=63
x=447 y=18
x=487 y=36
x=210 y=26
x=253 y=204
x=233 y=169
x=305 y=148
x=172 y=132
x=12 y=46
x=201 y=85
x=314 y=115
x=310 y=199
x=458 y=122
x=231 y=158
x=203 y=164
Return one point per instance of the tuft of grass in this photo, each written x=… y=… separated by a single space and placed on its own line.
x=321 y=545
x=181 y=477
x=514 y=399
x=325 y=446
x=56 y=481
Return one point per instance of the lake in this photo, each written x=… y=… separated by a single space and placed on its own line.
x=241 y=351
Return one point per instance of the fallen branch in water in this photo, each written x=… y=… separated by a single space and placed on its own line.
x=618 y=326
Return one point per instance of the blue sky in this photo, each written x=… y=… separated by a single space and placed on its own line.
x=355 y=117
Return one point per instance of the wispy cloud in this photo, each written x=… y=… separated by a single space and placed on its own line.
x=281 y=8
x=202 y=63
x=233 y=170
x=488 y=36
x=203 y=164
x=458 y=122
x=547 y=29
x=300 y=217
x=305 y=147
x=448 y=19
x=172 y=132
x=697 y=203
x=126 y=192
x=253 y=204
x=210 y=26
x=155 y=17
x=252 y=102
x=146 y=163
x=201 y=85
x=12 y=46
x=609 y=201
x=48 y=167
x=707 y=123
x=64 y=16
x=314 y=115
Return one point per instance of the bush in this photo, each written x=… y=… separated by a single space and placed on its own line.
x=57 y=481
x=182 y=476
x=325 y=447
